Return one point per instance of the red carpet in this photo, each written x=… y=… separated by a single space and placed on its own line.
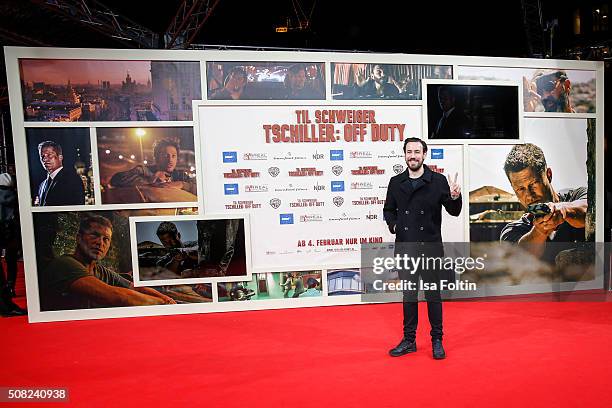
x=499 y=354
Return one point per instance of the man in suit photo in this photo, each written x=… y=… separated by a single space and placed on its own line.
x=453 y=123
x=62 y=186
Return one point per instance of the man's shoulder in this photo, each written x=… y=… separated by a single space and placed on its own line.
x=578 y=193
x=398 y=177
x=65 y=261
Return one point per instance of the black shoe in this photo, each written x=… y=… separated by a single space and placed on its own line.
x=405 y=347
x=438 y=350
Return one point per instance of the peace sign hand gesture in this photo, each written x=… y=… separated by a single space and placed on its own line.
x=455 y=189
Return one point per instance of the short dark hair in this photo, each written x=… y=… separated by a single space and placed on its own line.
x=524 y=156
x=167 y=227
x=87 y=220
x=295 y=68
x=159 y=145
x=49 y=143
x=415 y=139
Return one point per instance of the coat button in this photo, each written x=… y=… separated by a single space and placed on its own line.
x=422 y=212
x=407 y=212
x=405 y=228
x=421 y=228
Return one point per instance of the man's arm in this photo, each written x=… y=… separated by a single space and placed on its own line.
x=574 y=212
x=101 y=293
x=134 y=177
x=390 y=210
x=451 y=203
x=154 y=293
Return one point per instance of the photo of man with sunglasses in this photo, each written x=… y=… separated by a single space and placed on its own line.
x=548 y=91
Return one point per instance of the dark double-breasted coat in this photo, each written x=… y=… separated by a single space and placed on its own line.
x=415 y=214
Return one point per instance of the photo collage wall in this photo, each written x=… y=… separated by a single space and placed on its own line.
x=106 y=138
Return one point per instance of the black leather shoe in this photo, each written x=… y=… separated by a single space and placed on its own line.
x=438 y=350
x=405 y=347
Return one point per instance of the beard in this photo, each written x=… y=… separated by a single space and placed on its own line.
x=552 y=104
x=414 y=165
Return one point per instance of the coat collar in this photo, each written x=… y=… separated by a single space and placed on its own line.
x=427 y=174
x=406 y=184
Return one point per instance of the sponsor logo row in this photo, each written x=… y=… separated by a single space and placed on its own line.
x=291 y=218
x=311 y=172
x=335 y=186
x=276 y=203
x=332 y=155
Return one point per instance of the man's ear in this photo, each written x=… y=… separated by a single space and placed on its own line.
x=549 y=174
x=61 y=157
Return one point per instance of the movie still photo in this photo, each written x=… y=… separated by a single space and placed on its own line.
x=531 y=205
x=383 y=81
x=147 y=165
x=84 y=262
x=61 y=90
x=544 y=90
x=456 y=111
x=60 y=166
x=273 y=285
x=169 y=250
x=265 y=80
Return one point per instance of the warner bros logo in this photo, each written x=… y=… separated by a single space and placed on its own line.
x=275 y=203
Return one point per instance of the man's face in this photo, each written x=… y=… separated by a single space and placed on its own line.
x=236 y=83
x=170 y=240
x=531 y=188
x=414 y=155
x=297 y=80
x=553 y=94
x=446 y=100
x=167 y=159
x=95 y=242
x=50 y=160
x=378 y=73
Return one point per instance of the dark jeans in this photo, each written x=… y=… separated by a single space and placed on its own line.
x=411 y=305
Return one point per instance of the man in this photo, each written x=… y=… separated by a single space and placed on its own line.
x=183 y=255
x=162 y=173
x=62 y=186
x=377 y=85
x=530 y=178
x=296 y=86
x=453 y=123
x=548 y=89
x=233 y=86
x=79 y=281
x=10 y=240
x=413 y=212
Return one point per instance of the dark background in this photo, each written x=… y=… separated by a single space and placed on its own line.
x=492 y=110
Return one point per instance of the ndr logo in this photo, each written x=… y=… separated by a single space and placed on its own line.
x=337 y=186
x=230 y=189
x=230 y=157
x=286 y=219
x=336 y=155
